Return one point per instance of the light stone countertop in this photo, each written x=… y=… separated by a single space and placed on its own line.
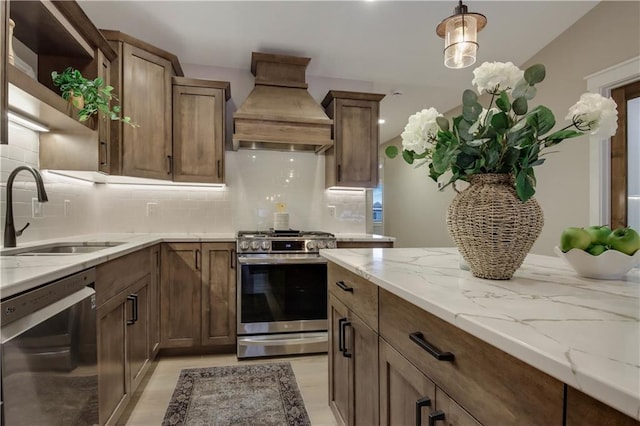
x=21 y=273
x=583 y=332
x=364 y=237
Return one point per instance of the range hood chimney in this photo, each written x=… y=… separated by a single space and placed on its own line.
x=279 y=113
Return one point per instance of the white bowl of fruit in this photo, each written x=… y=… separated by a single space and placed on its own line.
x=597 y=252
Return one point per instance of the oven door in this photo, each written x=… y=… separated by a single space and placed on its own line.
x=282 y=294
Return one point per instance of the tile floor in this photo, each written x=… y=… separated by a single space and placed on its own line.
x=149 y=405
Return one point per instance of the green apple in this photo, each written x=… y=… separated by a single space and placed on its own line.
x=599 y=234
x=625 y=240
x=596 y=249
x=573 y=237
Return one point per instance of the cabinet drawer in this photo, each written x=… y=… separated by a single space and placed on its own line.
x=114 y=276
x=493 y=386
x=355 y=292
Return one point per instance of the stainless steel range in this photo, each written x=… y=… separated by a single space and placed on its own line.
x=282 y=292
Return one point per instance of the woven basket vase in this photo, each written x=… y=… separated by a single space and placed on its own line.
x=492 y=228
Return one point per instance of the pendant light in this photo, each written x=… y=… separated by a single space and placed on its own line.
x=460 y=33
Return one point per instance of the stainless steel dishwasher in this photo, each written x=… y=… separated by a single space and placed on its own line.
x=49 y=354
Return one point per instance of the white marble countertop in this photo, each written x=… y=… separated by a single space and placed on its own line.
x=363 y=237
x=583 y=332
x=21 y=273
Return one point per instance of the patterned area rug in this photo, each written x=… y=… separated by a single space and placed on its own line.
x=259 y=394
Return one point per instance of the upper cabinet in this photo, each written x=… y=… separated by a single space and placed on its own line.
x=141 y=77
x=199 y=115
x=353 y=160
x=56 y=35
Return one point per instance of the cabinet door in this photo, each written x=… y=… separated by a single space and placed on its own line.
x=198 y=134
x=138 y=331
x=362 y=341
x=104 y=123
x=218 y=294
x=146 y=98
x=180 y=295
x=356 y=133
x=113 y=383
x=154 y=302
x=406 y=395
x=448 y=413
x=338 y=363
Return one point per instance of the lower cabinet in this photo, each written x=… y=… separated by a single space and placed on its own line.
x=124 y=342
x=197 y=295
x=353 y=356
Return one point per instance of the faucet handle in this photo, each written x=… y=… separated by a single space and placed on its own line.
x=19 y=231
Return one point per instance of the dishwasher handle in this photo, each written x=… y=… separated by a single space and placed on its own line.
x=19 y=326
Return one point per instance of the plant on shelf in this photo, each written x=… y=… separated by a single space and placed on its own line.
x=89 y=96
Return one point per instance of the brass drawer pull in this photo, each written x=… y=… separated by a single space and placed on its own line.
x=418 y=339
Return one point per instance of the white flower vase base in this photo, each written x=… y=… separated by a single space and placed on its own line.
x=492 y=228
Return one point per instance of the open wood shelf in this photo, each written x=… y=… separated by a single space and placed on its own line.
x=29 y=96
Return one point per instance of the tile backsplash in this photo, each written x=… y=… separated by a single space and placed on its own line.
x=256 y=181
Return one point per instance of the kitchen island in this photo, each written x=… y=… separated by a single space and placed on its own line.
x=584 y=333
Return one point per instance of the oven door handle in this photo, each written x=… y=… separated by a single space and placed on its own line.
x=257 y=341
x=19 y=326
x=279 y=260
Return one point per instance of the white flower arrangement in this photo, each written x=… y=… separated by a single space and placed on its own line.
x=506 y=137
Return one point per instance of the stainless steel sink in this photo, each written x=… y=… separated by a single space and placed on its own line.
x=56 y=249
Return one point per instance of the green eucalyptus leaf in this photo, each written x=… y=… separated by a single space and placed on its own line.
x=407 y=156
x=500 y=122
x=443 y=123
x=471 y=112
x=560 y=135
x=391 y=151
x=469 y=97
x=524 y=186
x=463 y=130
x=541 y=119
x=503 y=102
x=478 y=142
x=520 y=106
x=534 y=74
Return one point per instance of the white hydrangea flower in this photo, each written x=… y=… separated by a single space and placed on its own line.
x=420 y=132
x=494 y=76
x=595 y=113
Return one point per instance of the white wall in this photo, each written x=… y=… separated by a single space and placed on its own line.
x=606 y=36
x=254 y=185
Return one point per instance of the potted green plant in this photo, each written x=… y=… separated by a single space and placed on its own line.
x=89 y=96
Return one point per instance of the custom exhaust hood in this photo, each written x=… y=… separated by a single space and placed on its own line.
x=279 y=113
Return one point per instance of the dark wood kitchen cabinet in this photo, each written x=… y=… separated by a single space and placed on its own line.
x=125 y=307
x=198 y=294
x=60 y=35
x=353 y=348
x=4 y=97
x=141 y=77
x=353 y=160
x=199 y=116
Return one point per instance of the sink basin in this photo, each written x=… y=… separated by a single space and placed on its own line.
x=56 y=249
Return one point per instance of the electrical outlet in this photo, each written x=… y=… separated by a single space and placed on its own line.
x=332 y=211
x=67 y=208
x=36 y=208
x=152 y=209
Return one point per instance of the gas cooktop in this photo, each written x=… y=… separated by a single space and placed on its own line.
x=284 y=233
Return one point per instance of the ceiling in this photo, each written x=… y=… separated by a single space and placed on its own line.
x=391 y=44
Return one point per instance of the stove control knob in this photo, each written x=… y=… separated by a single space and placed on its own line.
x=311 y=245
x=266 y=245
x=244 y=245
x=331 y=244
x=255 y=245
x=321 y=244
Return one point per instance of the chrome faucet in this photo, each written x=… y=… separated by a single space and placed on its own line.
x=10 y=232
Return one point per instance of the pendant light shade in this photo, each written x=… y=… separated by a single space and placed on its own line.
x=460 y=33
